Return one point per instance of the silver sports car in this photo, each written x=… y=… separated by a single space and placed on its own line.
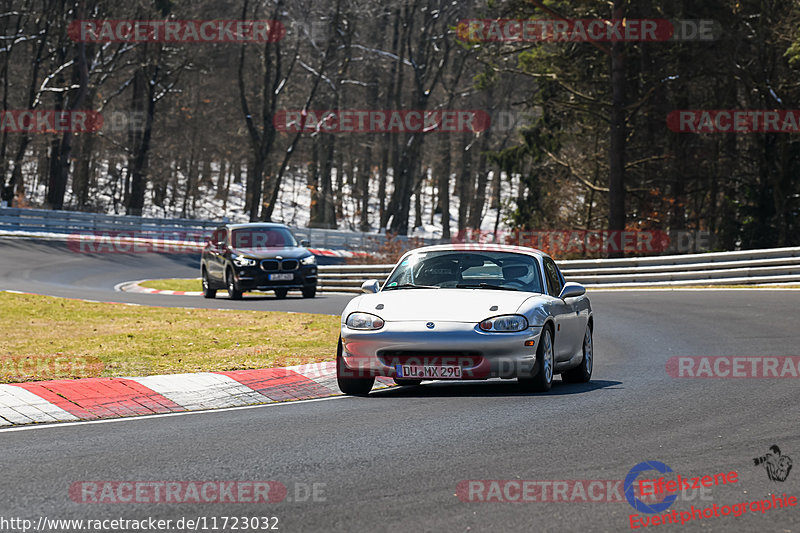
x=466 y=312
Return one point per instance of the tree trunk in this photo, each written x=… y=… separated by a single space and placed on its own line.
x=616 y=186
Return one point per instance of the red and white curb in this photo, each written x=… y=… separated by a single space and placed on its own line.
x=95 y=398
x=134 y=286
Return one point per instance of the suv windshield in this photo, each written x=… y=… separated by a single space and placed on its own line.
x=468 y=270
x=262 y=238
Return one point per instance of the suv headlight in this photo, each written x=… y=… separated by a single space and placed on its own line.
x=505 y=324
x=310 y=260
x=364 y=321
x=242 y=261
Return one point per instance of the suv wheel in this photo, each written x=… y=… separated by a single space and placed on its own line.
x=234 y=293
x=309 y=292
x=208 y=292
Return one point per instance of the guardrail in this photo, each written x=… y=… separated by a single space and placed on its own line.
x=42 y=221
x=779 y=265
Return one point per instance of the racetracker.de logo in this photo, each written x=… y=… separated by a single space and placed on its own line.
x=50 y=121
x=587 y=30
x=176 y=31
x=382 y=121
x=125 y=242
x=176 y=492
x=734 y=367
x=51 y=366
x=561 y=490
x=734 y=121
x=577 y=30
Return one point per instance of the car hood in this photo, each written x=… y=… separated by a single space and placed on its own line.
x=442 y=305
x=269 y=253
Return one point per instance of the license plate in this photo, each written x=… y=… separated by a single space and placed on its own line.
x=428 y=372
x=281 y=277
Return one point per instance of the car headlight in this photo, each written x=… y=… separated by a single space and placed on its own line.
x=242 y=261
x=505 y=324
x=364 y=321
x=310 y=260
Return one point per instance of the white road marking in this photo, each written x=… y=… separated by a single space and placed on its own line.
x=203 y=390
x=20 y=406
x=182 y=413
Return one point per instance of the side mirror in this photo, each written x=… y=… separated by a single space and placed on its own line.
x=572 y=290
x=305 y=243
x=370 y=286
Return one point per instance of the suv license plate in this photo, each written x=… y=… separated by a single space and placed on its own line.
x=281 y=277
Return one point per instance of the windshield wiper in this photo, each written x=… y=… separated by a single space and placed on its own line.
x=410 y=286
x=484 y=286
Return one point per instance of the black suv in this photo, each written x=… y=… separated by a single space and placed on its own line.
x=260 y=257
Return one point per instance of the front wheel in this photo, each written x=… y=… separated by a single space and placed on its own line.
x=233 y=291
x=583 y=372
x=347 y=384
x=309 y=292
x=208 y=292
x=545 y=359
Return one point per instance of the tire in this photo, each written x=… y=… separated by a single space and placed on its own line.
x=583 y=372
x=233 y=291
x=280 y=294
x=208 y=292
x=349 y=385
x=309 y=292
x=545 y=359
x=408 y=382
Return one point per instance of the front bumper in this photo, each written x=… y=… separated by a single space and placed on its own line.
x=253 y=278
x=480 y=355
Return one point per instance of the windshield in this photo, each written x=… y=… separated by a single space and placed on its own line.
x=262 y=238
x=478 y=270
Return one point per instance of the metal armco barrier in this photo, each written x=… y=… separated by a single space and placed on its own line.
x=43 y=221
x=779 y=265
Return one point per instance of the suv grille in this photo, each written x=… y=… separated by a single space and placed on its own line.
x=290 y=264
x=270 y=264
x=275 y=264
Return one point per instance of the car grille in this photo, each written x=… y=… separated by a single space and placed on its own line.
x=404 y=357
x=274 y=265
x=289 y=264
x=270 y=264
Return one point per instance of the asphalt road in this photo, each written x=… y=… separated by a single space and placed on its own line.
x=50 y=267
x=393 y=461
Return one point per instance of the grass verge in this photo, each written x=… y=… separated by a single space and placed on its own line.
x=174 y=284
x=54 y=338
